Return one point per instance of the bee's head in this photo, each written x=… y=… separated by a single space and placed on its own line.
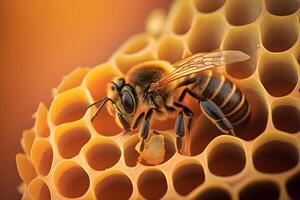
x=124 y=102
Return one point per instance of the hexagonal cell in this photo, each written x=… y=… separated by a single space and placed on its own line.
x=170 y=48
x=226 y=159
x=25 y=168
x=39 y=190
x=42 y=156
x=134 y=51
x=131 y=156
x=278 y=73
x=207 y=6
x=152 y=184
x=71 y=180
x=102 y=153
x=41 y=124
x=279 y=33
x=260 y=190
x=27 y=140
x=71 y=137
x=248 y=38
x=72 y=80
x=69 y=106
x=292 y=186
x=97 y=81
x=214 y=193
x=242 y=12
x=114 y=185
x=286 y=115
x=183 y=17
x=275 y=157
x=187 y=176
x=278 y=7
x=207 y=33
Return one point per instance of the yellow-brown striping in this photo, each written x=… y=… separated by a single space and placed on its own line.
x=224 y=94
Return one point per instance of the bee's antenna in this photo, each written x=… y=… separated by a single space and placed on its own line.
x=114 y=85
x=105 y=99
x=95 y=103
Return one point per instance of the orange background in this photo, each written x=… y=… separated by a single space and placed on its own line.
x=40 y=41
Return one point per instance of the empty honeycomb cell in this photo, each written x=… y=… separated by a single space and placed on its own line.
x=152 y=184
x=248 y=38
x=242 y=12
x=207 y=33
x=207 y=6
x=226 y=159
x=97 y=81
x=260 y=190
x=170 y=49
x=292 y=186
x=71 y=137
x=71 y=180
x=187 y=176
x=183 y=17
x=42 y=156
x=286 y=115
x=275 y=157
x=102 y=153
x=278 y=7
x=69 y=106
x=28 y=137
x=278 y=73
x=114 y=185
x=41 y=124
x=72 y=80
x=213 y=193
x=279 y=33
x=39 y=190
x=25 y=168
x=135 y=50
x=131 y=156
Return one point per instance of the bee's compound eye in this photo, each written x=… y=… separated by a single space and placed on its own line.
x=127 y=102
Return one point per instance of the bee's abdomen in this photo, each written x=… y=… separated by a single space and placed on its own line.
x=224 y=94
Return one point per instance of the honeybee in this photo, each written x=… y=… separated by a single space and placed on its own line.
x=153 y=86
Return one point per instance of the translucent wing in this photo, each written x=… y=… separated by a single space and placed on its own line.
x=200 y=62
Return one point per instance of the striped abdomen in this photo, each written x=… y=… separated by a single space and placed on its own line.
x=224 y=94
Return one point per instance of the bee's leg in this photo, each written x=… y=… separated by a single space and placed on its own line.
x=170 y=108
x=144 y=130
x=138 y=120
x=186 y=91
x=216 y=115
x=179 y=130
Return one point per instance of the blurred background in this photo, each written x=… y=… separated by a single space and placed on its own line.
x=40 y=41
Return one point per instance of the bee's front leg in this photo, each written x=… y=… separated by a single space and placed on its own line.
x=144 y=130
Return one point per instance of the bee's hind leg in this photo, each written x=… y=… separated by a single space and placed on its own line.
x=216 y=116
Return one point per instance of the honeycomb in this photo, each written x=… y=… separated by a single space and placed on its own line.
x=66 y=156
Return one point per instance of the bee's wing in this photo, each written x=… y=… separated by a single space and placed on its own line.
x=200 y=62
